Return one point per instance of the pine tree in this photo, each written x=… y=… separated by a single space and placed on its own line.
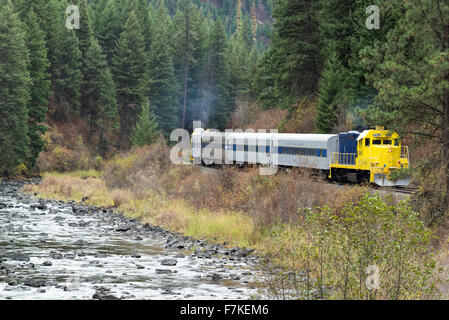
x=247 y=33
x=189 y=38
x=240 y=66
x=130 y=65
x=295 y=51
x=14 y=90
x=163 y=83
x=238 y=17
x=100 y=105
x=411 y=74
x=40 y=85
x=67 y=77
x=140 y=8
x=51 y=17
x=108 y=29
x=330 y=94
x=254 y=24
x=85 y=32
x=218 y=77
x=146 y=128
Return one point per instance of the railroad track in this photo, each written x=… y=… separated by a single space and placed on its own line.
x=405 y=190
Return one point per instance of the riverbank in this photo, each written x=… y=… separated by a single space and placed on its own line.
x=176 y=215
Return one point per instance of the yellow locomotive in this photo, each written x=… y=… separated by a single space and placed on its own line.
x=376 y=154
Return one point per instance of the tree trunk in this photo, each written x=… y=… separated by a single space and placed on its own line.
x=186 y=63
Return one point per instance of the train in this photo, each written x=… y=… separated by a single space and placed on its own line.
x=368 y=156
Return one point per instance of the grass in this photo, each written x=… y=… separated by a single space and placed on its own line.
x=78 y=173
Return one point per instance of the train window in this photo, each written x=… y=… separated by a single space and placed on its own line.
x=377 y=142
x=396 y=142
x=387 y=142
x=367 y=141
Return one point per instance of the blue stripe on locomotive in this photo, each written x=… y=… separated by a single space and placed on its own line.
x=347 y=143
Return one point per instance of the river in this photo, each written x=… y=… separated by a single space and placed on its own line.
x=56 y=250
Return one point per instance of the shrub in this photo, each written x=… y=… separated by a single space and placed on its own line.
x=337 y=255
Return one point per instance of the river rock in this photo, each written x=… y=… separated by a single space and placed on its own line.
x=56 y=255
x=20 y=257
x=80 y=243
x=169 y=262
x=163 y=271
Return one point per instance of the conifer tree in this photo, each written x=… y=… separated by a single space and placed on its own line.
x=218 y=77
x=108 y=29
x=411 y=74
x=146 y=129
x=40 y=84
x=330 y=94
x=85 y=32
x=189 y=38
x=130 y=65
x=14 y=90
x=67 y=77
x=140 y=8
x=238 y=17
x=254 y=20
x=100 y=105
x=295 y=51
x=52 y=16
x=163 y=83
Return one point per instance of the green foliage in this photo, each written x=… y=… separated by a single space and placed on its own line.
x=14 y=90
x=411 y=74
x=218 y=77
x=40 y=85
x=100 y=104
x=66 y=64
x=328 y=256
x=163 y=88
x=330 y=94
x=146 y=129
x=130 y=71
x=295 y=53
x=108 y=28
